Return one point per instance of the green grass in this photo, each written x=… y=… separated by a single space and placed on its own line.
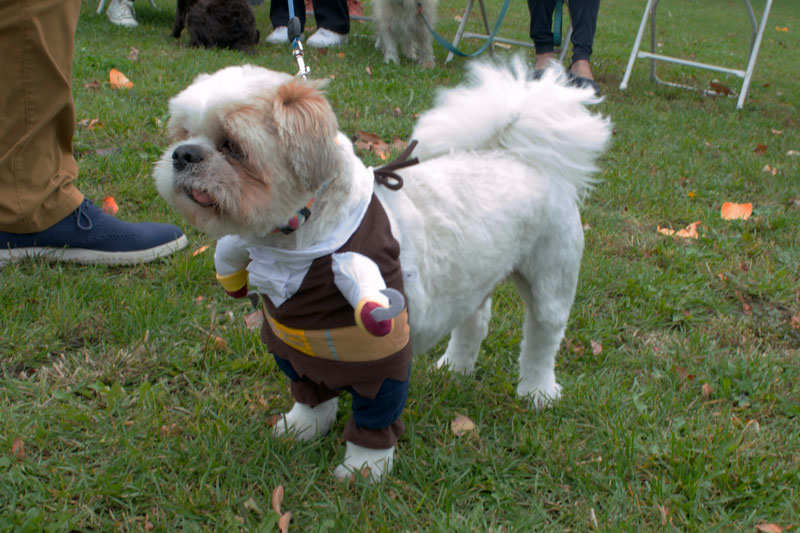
x=687 y=419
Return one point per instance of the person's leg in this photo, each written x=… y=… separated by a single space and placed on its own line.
x=541 y=30
x=333 y=21
x=37 y=169
x=583 y=14
x=279 y=17
x=42 y=213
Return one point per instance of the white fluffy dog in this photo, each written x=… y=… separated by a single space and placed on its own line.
x=400 y=22
x=505 y=162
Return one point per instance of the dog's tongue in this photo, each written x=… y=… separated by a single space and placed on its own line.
x=202 y=197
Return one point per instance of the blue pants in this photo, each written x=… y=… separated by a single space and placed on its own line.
x=583 y=14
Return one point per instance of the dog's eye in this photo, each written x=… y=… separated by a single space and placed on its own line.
x=231 y=148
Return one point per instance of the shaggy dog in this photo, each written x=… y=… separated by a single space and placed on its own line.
x=217 y=23
x=400 y=22
x=505 y=162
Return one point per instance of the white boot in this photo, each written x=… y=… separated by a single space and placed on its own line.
x=357 y=459
x=305 y=423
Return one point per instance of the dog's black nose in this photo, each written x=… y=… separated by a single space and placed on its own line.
x=186 y=154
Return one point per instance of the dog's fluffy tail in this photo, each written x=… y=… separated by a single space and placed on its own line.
x=500 y=107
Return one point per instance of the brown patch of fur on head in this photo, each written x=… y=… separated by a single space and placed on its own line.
x=307 y=127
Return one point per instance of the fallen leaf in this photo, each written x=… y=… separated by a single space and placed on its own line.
x=170 y=430
x=769 y=169
x=272 y=420
x=368 y=137
x=199 y=298
x=731 y=211
x=18 y=449
x=597 y=348
x=118 y=80
x=369 y=70
x=277 y=498
x=94 y=84
x=795 y=321
x=776 y=132
x=133 y=55
x=398 y=112
x=220 y=344
x=706 y=390
x=746 y=307
x=109 y=205
x=340 y=55
x=200 y=250
x=720 y=88
x=792 y=153
x=283 y=523
x=461 y=425
x=784 y=29
x=760 y=149
x=148 y=525
x=689 y=232
x=769 y=528
x=254 y=320
x=691 y=194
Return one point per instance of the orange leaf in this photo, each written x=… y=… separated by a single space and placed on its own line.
x=110 y=206
x=784 y=29
x=689 y=232
x=597 y=348
x=731 y=211
x=18 y=449
x=277 y=498
x=461 y=425
x=760 y=149
x=220 y=344
x=720 y=89
x=283 y=523
x=369 y=137
x=254 y=320
x=769 y=528
x=200 y=250
x=118 y=80
x=795 y=321
x=340 y=55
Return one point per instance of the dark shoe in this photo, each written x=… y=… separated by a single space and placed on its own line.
x=90 y=236
x=582 y=83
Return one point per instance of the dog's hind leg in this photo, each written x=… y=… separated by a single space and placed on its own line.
x=465 y=340
x=548 y=290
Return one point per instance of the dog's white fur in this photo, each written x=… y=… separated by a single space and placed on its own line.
x=505 y=163
x=399 y=22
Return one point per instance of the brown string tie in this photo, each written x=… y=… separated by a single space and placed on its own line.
x=386 y=174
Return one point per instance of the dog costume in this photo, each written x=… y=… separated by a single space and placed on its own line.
x=318 y=322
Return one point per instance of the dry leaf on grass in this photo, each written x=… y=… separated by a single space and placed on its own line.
x=283 y=523
x=461 y=425
x=706 y=390
x=200 y=250
x=720 y=88
x=133 y=55
x=731 y=211
x=251 y=505
x=760 y=149
x=597 y=348
x=277 y=498
x=795 y=321
x=769 y=528
x=110 y=206
x=689 y=232
x=118 y=80
x=254 y=320
x=784 y=29
x=18 y=449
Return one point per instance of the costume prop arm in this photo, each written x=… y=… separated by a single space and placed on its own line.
x=230 y=260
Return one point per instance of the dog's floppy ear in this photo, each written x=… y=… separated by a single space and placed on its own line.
x=307 y=128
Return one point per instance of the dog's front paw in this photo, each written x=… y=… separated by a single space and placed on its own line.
x=368 y=463
x=541 y=396
x=304 y=422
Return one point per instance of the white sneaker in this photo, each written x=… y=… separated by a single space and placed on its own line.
x=279 y=35
x=120 y=12
x=325 y=38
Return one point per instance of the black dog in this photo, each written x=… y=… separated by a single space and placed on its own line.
x=217 y=23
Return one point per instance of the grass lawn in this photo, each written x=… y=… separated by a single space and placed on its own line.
x=680 y=367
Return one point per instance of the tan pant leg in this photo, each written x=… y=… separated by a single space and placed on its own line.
x=37 y=169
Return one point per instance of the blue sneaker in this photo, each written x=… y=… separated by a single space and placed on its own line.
x=89 y=236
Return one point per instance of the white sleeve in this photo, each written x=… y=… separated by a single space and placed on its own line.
x=231 y=255
x=358 y=277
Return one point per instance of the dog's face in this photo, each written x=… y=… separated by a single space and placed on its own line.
x=249 y=148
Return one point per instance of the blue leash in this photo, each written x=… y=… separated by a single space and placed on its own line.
x=450 y=48
x=293 y=30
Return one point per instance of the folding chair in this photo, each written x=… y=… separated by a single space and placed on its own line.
x=755 y=44
x=468 y=35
